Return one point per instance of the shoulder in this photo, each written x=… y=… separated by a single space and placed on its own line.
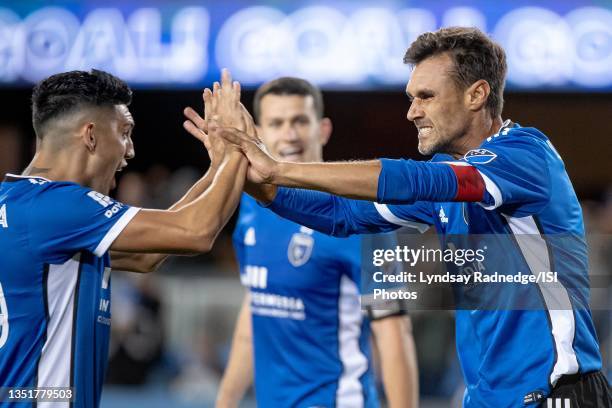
x=512 y=134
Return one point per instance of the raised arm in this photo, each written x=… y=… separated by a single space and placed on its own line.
x=149 y=262
x=193 y=227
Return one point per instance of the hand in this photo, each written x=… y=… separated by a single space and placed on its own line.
x=215 y=146
x=225 y=104
x=262 y=167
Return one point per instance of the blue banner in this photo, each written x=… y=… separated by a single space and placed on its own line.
x=337 y=44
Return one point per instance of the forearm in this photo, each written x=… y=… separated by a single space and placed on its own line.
x=213 y=208
x=393 y=337
x=238 y=375
x=196 y=190
x=327 y=213
x=145 y=263
x=348 y=179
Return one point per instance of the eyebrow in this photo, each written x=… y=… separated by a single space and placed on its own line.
x=420 y=92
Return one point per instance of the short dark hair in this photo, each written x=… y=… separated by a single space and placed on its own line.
x=475 y=57
x=288 y=86
x=66 y=92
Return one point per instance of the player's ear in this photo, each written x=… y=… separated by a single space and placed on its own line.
x=88 y=136
x=477 y=94
x=326 y=129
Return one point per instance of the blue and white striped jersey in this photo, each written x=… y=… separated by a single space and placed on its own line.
x=514 y=355
x=311 y=342
x=55 y=286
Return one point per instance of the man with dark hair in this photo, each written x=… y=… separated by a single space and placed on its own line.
x=489 y=177
x=57 y=225
x=314 y=351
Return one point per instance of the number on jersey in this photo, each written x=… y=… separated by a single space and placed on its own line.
x=4 y=322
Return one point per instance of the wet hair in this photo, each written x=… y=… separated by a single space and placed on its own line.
x=288 y=86
x=475 y=57
x=66 y=93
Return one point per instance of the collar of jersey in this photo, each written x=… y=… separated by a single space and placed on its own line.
x=17 y=176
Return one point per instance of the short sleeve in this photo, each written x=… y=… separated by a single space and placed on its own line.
x=66 y=218
x=515 y=172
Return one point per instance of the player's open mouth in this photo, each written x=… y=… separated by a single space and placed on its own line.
x=425 y=131
x=291 y=154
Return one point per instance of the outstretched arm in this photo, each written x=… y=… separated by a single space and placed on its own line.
x=384 y=181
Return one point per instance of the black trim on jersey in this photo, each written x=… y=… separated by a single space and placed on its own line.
x=552 y=268
x=45 y=296
x=552 y=337
x=75 y=309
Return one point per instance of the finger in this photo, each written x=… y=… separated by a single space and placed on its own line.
x=215 y=96
x=195 y=117
x=194 y=131
x=207 y=96
x=226 y=79
x=236 y=89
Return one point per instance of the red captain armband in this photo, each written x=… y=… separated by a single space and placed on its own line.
x=470 y=185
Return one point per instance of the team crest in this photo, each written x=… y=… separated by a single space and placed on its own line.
x=480 y=156
x=300 y=248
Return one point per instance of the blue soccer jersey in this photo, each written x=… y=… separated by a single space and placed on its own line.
x=55 y=286
x=311 y=342
x=513 y=187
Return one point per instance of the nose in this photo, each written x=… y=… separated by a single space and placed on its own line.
x=290 y=134
x=130 y=153
x=415 y=111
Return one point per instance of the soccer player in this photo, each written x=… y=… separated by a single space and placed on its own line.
x=57 y=225
x=487 y=176
x=301 y=324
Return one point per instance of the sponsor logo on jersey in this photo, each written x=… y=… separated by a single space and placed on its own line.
x=300 y=248
x=479 y=156
x=533 y=397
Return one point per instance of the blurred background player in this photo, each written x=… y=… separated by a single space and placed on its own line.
x=301 y=323
x=58 y=228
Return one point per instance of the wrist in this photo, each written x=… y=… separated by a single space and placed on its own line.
x=277 y=170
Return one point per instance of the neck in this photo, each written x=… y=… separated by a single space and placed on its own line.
x=475 y=135
x=57 y=166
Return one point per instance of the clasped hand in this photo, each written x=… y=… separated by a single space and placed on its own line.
x=228 y=127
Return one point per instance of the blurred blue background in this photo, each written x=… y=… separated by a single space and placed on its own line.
x=552 y=45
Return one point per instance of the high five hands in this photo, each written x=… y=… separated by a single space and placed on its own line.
x=227 y=126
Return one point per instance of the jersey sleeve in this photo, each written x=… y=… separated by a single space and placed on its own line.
x=509 y=170
x=66 y=218
x=339 y=216
x=515 y=172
